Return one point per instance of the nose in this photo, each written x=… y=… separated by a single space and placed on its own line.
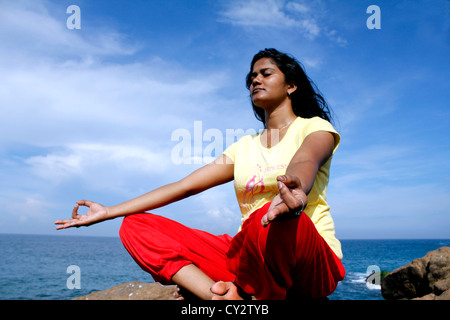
x=256 y=80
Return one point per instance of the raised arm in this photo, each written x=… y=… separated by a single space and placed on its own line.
x=218 y=172
x=301 y=172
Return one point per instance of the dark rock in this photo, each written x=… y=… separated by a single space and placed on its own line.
x=426 y=278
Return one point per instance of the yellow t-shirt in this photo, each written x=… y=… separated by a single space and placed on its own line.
x=256 y=168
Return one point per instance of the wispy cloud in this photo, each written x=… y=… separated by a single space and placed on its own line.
x=258 y=13
x=389 y=190
x=76 y=100
x=90 y=112
x=83 y=159
x=218 y=211
x=270 y=13
x=378 y=165
x=106 y=125
x=61 y=90
x=408 y=211
x=32 y=23
x=302 y=16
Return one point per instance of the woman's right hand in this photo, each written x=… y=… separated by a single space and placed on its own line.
x=97 y=213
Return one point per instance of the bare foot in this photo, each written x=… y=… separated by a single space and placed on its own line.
x=183 y=294
x=225 y=291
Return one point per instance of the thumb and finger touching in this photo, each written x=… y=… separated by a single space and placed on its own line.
x=290 y=192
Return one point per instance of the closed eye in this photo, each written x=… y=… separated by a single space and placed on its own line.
x=265 y=73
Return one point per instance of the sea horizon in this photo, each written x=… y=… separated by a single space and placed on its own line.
x=37 y=267
x=111 y=236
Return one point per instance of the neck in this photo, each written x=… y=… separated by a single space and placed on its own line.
x=279 y=117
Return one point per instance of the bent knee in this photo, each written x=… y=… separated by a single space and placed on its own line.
x=131 y=224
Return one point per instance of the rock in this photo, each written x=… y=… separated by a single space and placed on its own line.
x=444 y=296
x=134 y=291
x=426 y=278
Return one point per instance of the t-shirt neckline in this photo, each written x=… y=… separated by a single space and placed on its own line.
x=279 y=142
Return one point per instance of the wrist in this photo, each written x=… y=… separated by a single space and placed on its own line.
x=111 y=213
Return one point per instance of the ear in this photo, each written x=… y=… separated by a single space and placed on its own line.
x=291 y=88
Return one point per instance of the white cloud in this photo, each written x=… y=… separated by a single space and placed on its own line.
x=377 y=161
x=22 y=207
x=57 y=89
x=258 y=13
x=55 y=166
x=82 y=158
x=104 y=102
x=409 y=211
x=31 y=25
x=388 y=190
x=88 y=122
x=299 y=16
x=218 y=210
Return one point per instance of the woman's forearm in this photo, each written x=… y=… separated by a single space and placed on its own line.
x=304 y=170
x=154 y=199
x=202 y=179
x=316 y=149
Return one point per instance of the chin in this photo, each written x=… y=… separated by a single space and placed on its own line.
x=262 y=104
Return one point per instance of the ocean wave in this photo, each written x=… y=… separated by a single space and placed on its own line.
x=360 y=278
x=372 y=286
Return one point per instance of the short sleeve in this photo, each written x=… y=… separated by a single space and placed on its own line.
x=318 y=124
x=230 y=152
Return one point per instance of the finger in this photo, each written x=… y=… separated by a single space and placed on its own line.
x=59 y=224
x=289 y=199
x=62 y=221
x=265 y=220
x=86 y=203
x=290 y=181
x=64 y=224
x=273 y=213
x=75 y=211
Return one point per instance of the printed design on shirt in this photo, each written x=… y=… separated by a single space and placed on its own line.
x=253 y=186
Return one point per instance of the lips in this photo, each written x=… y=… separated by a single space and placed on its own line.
x=256 y=90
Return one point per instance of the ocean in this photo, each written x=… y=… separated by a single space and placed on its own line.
x=59 y=267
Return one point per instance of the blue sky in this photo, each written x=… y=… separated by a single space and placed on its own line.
x=89 y=113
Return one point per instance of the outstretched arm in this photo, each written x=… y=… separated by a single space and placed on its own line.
x=296 y=184
x=218 y=172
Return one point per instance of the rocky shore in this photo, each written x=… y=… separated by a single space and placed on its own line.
x=134 y=291
x=426 y=278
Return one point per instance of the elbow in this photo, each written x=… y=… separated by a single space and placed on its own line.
x=185 y=189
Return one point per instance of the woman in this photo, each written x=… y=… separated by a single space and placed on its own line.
x=286 y=246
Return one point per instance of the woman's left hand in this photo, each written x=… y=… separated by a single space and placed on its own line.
x=291 y=199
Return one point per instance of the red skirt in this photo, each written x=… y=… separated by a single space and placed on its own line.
x=287 y=258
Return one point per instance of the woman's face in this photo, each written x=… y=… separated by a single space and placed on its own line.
x=268 y=87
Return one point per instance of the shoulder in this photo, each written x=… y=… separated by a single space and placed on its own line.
x=243 y=143
x=310 y=125
x=315 y=122
x=306 y=126
x=247 y=139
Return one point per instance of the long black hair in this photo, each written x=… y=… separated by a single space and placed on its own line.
x=307 y=101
